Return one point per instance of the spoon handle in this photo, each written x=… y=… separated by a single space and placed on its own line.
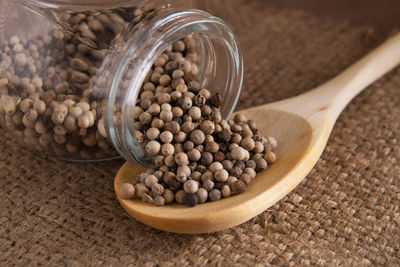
x=344 y=87
x=334 y=95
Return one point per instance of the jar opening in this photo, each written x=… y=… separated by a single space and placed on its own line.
x=219 y=64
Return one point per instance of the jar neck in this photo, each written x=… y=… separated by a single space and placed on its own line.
x=220 y=69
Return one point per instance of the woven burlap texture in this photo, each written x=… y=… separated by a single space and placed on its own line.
x=346 y=211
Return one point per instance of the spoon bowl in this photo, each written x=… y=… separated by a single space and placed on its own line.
x=301 y=125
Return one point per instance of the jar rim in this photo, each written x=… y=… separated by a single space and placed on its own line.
x=144 y=46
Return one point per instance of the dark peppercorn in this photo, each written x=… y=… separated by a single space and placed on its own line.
x=224 y=136
x=47 y=122
x=199 y=100
x=206 y=111
x=191 y=199
x=178 y=120
x=173 y=168
x=219 y=156
x=236 y=171
x=216 y=100
x=218 y=185
x=206 y=158
x=174 y=185
x=188 y=145
x=251 y=164
x=223 y=147
x=240 y=164
x=227 y=164
x=193 y=166
x=261 y=164
x=238 y=187
x=170 y=67
x=201 y=168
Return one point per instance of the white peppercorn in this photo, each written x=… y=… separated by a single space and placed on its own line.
x=202 y=195
x=258 y=147
x=231 y=180
x=261 y=164
x=221 y=175
x=195 y=113
x=166 y=106
x=194 y=155
x=177 y=112
x=181 y=177
x=251 y=172
x=238 y=153
x=154 y=109
x=178 y=148
x=208 y=184
x=167 y=149
x=214 y=195
x=270 y=157
x=159 y=160
x=152 y=133
x=248 y=143
x=25 y=104
x=126 y=191
x=84 y=106
x=216 y=166
x=181 y=159
x=240 y=118
x=184 y=169
x=168 y=196
x=226 y=191
x=245 y=178
x=58 y=117
x=169 y=160
x=197 y=137
x=166 y=137
x=187 y=127
x=272 y=141
x=159 y=201
x=180 y=196
x=212 y=147
x=157 y=189
x=39 y=106
x=190 y=186
x=180 y=137
x=76 y=111
x=166 y=115
x=147 y=198
x=157 y=123
x=153 y=148
x=150 y=180
x=195 y=175
x=246 y=131
x=207 y=127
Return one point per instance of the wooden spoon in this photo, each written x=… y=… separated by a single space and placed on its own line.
x=301 y=126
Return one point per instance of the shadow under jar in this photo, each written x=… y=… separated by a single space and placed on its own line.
x=71 y=71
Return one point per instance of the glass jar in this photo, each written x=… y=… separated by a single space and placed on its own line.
x=71 y=70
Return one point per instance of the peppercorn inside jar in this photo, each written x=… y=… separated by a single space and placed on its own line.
x=70 y=87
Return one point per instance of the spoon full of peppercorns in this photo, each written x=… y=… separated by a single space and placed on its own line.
x=300 y=125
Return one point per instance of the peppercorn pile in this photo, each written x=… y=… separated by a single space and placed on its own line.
x=50 y=95
x=199 y=156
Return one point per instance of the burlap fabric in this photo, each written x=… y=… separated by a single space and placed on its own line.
x=346 y=212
